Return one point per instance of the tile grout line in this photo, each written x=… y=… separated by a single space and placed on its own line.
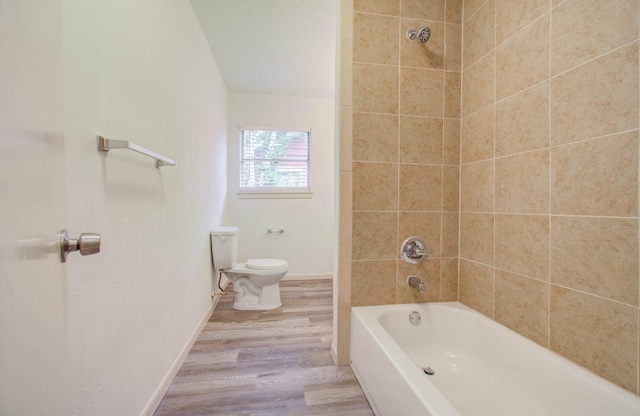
x=550 y=65
x=495 y=180
x=444 y=112
x=462 y=34
x=399 y=134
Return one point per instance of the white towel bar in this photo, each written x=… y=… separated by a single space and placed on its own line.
x=104 y=145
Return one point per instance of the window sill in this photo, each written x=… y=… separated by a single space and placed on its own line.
x=275 y=195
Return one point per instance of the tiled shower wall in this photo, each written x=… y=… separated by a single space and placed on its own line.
x=405 y=144
x=399 y=154
x=548 y=167
x=549 y=175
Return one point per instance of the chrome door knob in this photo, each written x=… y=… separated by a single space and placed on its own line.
x=86 y=244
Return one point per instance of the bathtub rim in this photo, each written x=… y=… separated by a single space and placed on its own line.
x=438 y=403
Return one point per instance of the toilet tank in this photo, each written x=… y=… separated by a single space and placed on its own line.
x=224 y=247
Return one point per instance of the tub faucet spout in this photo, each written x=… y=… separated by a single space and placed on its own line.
x=416 y=283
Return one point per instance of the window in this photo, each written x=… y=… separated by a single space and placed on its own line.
x=274 y=161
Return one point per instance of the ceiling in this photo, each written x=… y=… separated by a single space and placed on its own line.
x=284 y=47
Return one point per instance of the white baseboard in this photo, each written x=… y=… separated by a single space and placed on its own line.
x=157 y=396
x=308 y=276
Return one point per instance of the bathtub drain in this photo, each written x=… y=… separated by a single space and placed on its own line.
x=415 y=318
x=428 y=371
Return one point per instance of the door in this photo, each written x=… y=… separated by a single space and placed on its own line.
x=33 y=318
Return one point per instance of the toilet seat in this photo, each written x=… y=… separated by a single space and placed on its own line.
x=266 y=264
x=260 y=267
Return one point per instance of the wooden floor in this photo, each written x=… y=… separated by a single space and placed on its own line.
x=267 y=363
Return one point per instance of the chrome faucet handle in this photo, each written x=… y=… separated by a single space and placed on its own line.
x=414 y=250
x=422 y=252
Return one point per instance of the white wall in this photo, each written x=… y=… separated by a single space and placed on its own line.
x=139 y=70
x=307 y=243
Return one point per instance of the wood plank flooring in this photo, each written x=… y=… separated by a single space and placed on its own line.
x=267 y=363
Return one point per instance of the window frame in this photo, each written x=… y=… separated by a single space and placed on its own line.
x=272 y=191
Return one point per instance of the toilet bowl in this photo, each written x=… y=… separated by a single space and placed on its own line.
x=256 y=282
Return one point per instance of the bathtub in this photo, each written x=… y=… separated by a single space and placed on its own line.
x=480 y=367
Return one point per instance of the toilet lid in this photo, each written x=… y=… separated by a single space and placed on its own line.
x=265 y=264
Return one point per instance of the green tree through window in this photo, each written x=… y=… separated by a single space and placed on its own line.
x=274 y=160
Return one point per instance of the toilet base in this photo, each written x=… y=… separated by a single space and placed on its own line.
x=267 y=299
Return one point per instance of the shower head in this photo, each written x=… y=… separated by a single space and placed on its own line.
x=423 y=34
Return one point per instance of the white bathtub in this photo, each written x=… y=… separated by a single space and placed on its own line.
x=481 y=368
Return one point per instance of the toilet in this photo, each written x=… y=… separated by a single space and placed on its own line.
x=256 y=282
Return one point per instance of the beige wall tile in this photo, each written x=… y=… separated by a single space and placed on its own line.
x=477 y=187
x=522 y=305
x=596 y=255
x=421 y=140
x=452 y=94
x=511 y=16
x=375 y=137
x=523 y=60
x=375 y=235
x=428 y=271
x=375 y=39
x=476 y=138
x=344 y=270
x=599 y=334
x=448 y=280
x=477 y=237
x=522 y=183
x=453 y=50
x=596 y=177
x=422 y=55
x=584 y=29
x=421 y=92
x=451 y=154
x=418 y=9
x=477 y=287
x=346 y=203
x=453 y=13
x=373 y=282
x=343 y=332
x=425 y=225
x=522 y=245
x=478 y=81
x=608 y=105
x=420 y=188
x=346 y=72
x=450 y=221
x=375 y=186
x=522 y=121
x=345 y=122
x=345 y=63
x=450 y=188
x=479 y=34
x=472 y=6
x=390 y=7
x=375 y=88
x=346 y=17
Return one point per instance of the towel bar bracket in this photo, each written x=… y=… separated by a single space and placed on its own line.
x=105 y=144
